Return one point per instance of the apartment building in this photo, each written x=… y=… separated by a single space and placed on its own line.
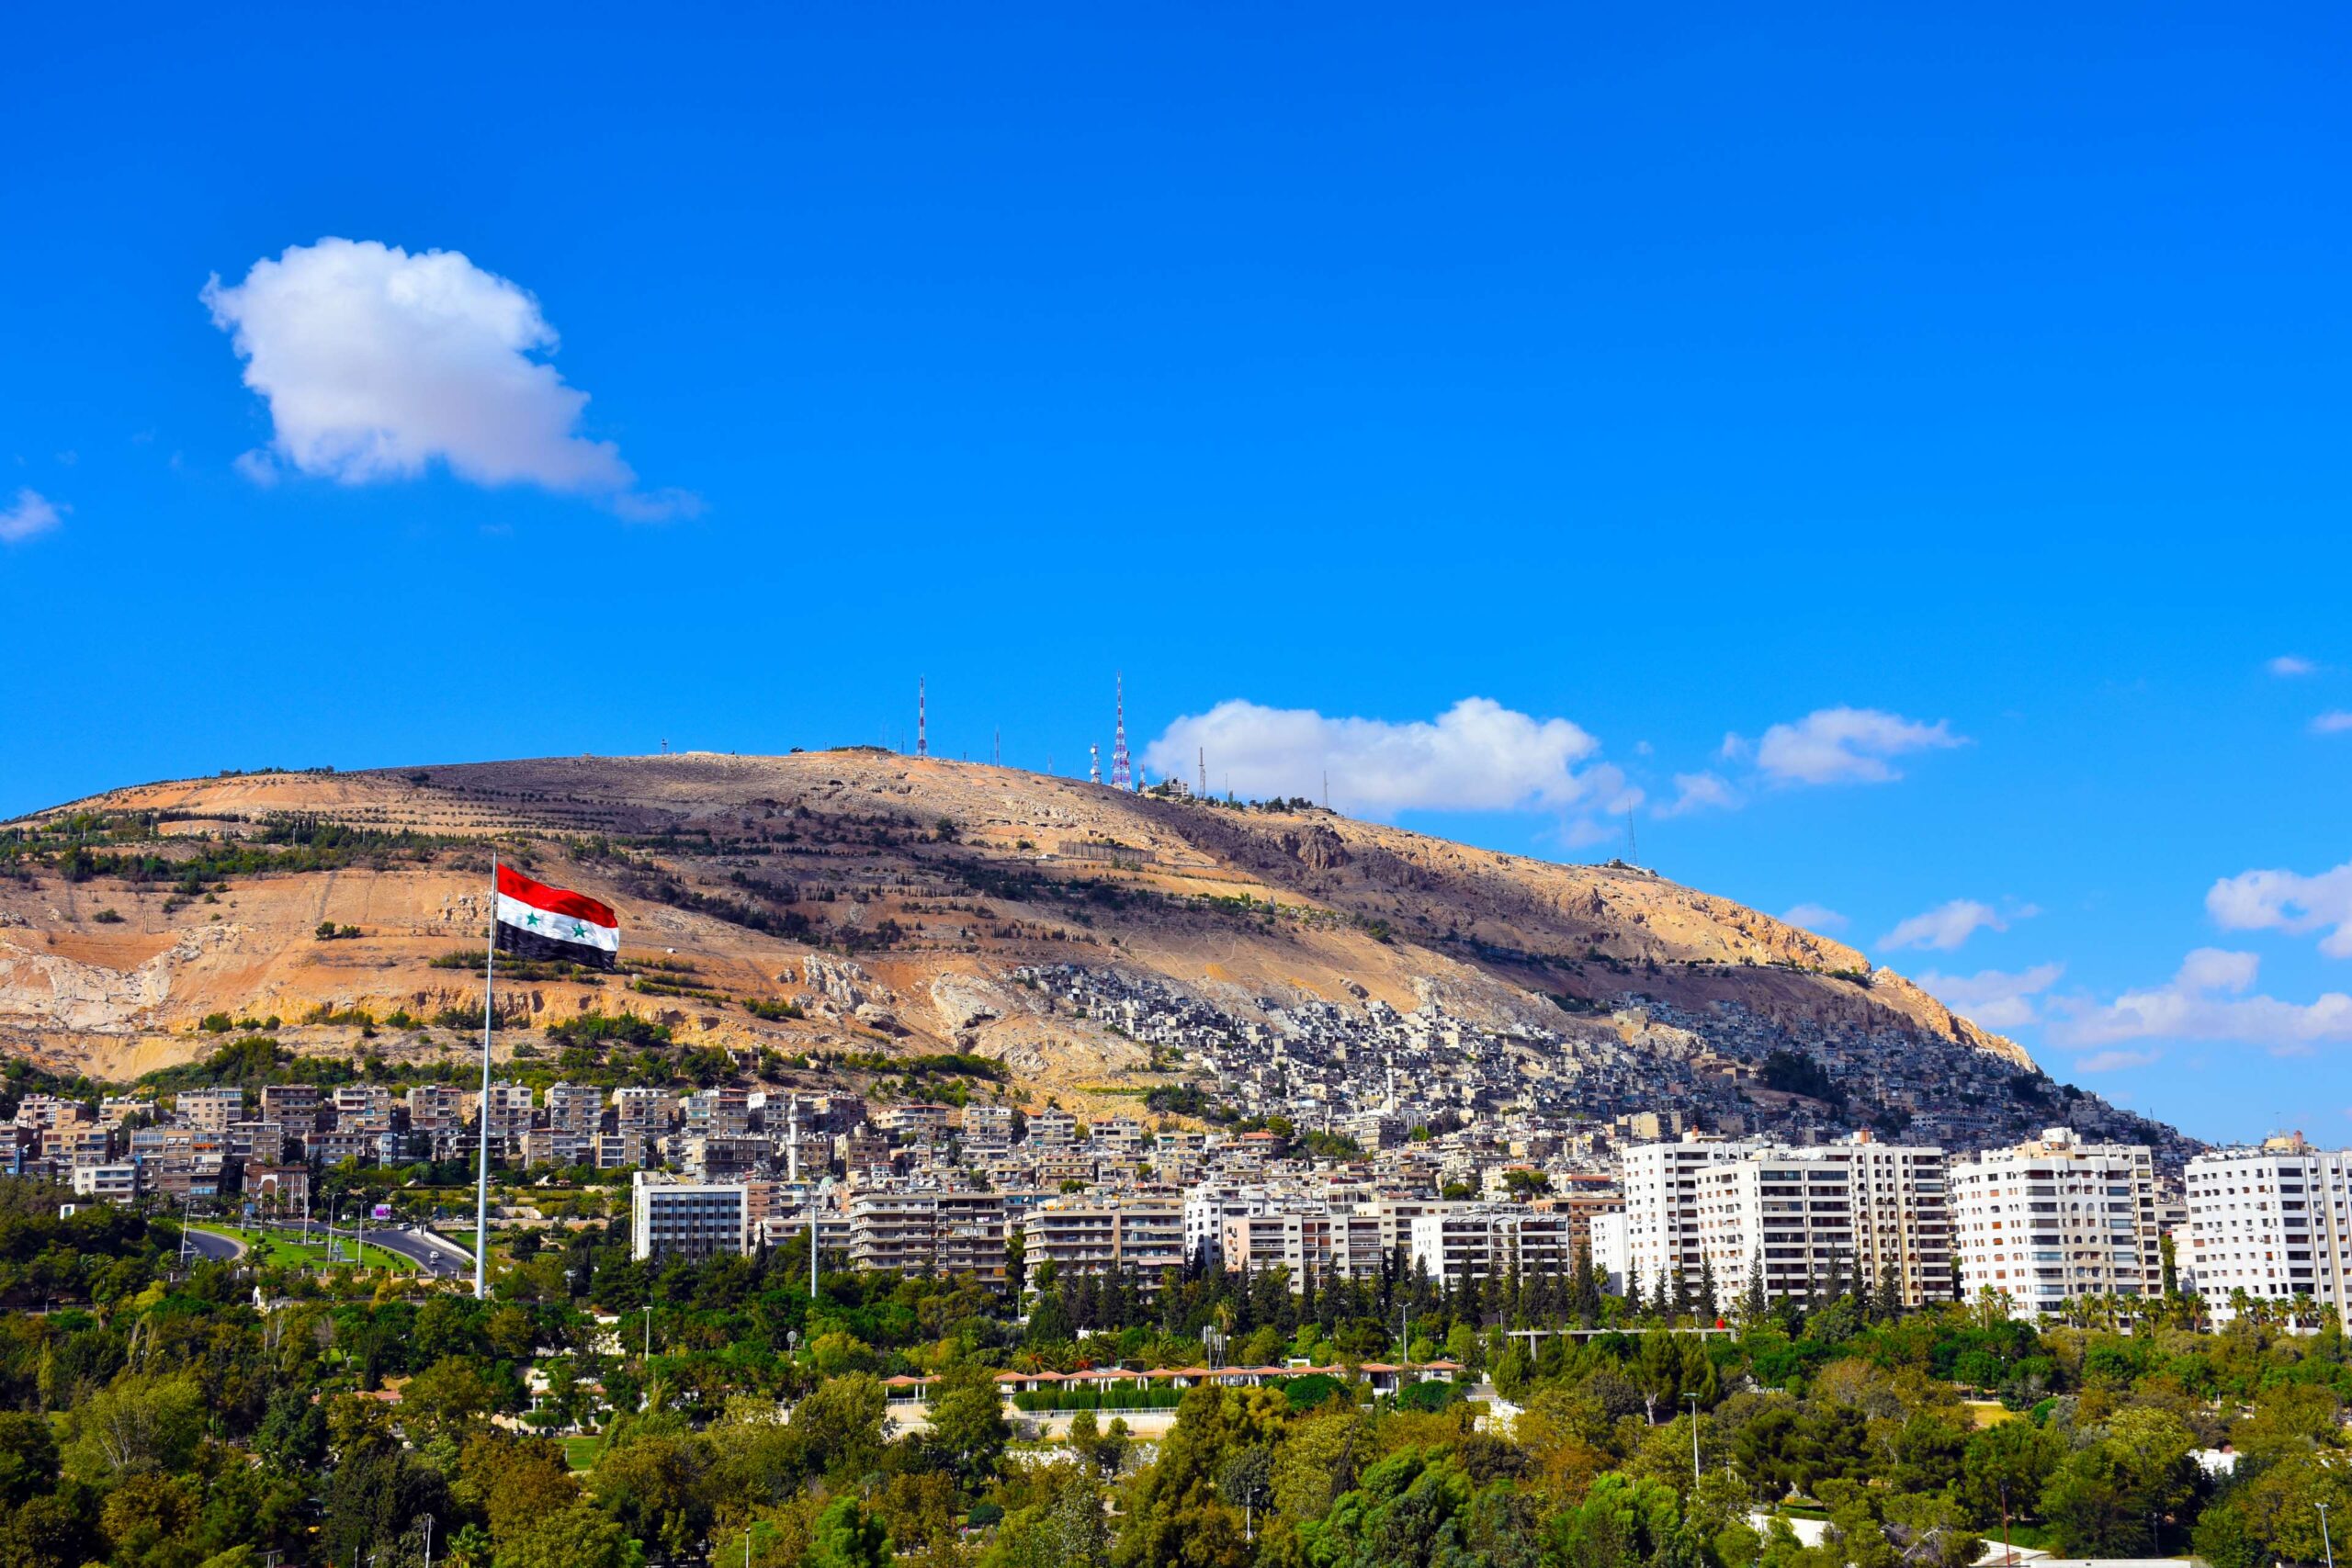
x=987 y=1126
x=575 y=1107
x=696 y=1220
x=893 y=1231
x=2270 y=1221
x=1206 y=1209
x=620 y=1151
x=115 y=1183
x=943 y=1233
x=969 y=1235
x=2055 y=1219
x=295 y=1106
x=1488 y=1241
x=432 y=1108
x=213 y=1109
x=1851 y=1210
x=917 y=1123
x=365 y=1105
x=648 y=1112
x=1092 y=1234
x=718 y=1112
x=1300 y=1238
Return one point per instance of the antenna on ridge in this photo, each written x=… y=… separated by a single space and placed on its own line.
x=1204 y=772
x=998 y=755
x=1632 y=845
x=1094 y=764
x=1122 y=774
x=923 y=722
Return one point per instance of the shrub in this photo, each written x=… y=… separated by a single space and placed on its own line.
x=1428 y=1396
x=107 y=918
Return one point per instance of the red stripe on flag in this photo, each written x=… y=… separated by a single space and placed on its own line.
x=554 y=901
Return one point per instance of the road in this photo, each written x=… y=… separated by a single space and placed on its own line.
x=433 y=1255
x=212 y=1244
x=440 y=1259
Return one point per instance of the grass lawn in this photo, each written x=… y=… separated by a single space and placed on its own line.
x=281 y=1249
x=581 y=1453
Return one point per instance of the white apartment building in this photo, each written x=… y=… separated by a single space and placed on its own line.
x=1486 y=1241
x=1612 y=1249
x=2270 y=1221
x=116 y=1183
x=676 y=1219
x=1852 y=1209
x=2055 y=1219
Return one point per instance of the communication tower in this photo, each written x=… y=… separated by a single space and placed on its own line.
x=922 y=734
x=1094 y=764
x=1122 y=774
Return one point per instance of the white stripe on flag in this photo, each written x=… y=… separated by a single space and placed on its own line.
x=563 y=928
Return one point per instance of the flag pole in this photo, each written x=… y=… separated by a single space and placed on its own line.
x=482 y=1112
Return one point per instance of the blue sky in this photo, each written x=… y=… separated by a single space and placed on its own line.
x=1652 y=379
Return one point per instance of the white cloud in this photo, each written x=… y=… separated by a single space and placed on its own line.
x=1993 y=997
x=2113 y=1061
x=1816 y=918
x=2207 y=1000
x=2334 y=721
x=2287 y=665
x=377 y=363
x=1842 y=745
x=1697 y=792
x=1944 y=927
x=1477 y=756
x=32 y=513
x=2285 y=902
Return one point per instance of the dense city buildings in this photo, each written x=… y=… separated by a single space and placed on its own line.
x=934 y=1187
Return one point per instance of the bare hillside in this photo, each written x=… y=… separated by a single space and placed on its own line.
x=903 y=906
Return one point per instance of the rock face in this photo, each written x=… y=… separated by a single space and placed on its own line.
x=892 y=901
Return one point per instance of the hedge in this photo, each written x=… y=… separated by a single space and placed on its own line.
x=1052 y=1399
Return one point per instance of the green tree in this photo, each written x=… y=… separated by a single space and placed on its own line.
x=578 y=1536
x=136 y=1426
x=848 y=1537
x=2004 y=1469
x=967 y=1429
x=28 y=1462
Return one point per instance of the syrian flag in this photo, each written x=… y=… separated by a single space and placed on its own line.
x=539 y=921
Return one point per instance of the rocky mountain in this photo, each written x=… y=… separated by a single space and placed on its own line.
x=1278 y=958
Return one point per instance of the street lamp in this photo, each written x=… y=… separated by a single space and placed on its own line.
x=2326 y=1545
x=1694 y=1437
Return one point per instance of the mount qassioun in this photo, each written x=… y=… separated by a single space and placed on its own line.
x=1281 y=957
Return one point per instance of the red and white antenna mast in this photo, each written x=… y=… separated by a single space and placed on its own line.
x=1122 y=776
x=923 y=736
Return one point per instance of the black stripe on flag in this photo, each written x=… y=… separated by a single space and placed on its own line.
x=550 y=949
